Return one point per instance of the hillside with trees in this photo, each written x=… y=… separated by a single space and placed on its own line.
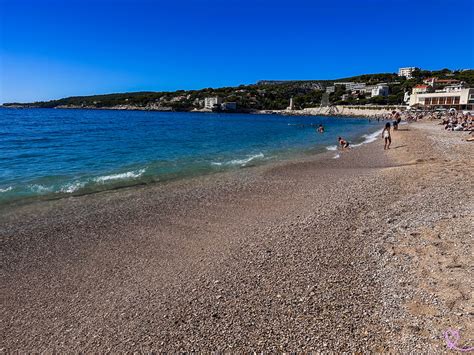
x=264 y=95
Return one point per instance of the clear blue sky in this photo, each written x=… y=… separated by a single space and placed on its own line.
x=56 y=48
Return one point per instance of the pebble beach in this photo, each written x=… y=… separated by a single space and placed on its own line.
x=371 y=251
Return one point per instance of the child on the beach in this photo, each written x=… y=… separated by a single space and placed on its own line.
x=343 y=143
x=386 y=136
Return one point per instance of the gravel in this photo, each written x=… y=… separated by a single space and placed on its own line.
x=318 y=254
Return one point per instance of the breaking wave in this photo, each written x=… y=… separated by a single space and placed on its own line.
x=123 y=176
x=241 y=162
x=69 y=188
x=40 y=189
x=369 y=138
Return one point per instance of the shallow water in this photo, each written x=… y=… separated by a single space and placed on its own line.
x=58 y=152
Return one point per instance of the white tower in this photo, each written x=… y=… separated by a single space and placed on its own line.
x=292 y=106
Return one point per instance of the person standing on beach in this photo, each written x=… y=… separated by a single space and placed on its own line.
x=387 y=136
x=397 y=120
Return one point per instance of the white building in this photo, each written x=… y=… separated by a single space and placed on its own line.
x=212 y=102
x=380 y=90
x=420 y=89
x=461 y=99
x=352 y=86
x=368 y=89
x=330 y=89
x=229 y=106
x=406 y=72
x=455 y=87
x=440 y=83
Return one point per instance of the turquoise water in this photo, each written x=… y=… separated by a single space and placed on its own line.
x=51 y=153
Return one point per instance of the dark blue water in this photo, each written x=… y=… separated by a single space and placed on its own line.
x=54 y=153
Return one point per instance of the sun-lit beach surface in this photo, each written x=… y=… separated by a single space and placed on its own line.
x=370 y=251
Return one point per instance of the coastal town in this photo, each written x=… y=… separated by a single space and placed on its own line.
x=410 y=88
x=434 y=94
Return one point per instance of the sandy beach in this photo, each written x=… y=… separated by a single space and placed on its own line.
x=368 y=252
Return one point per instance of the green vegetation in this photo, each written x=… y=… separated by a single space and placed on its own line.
x=265 y=95
x=371 y=79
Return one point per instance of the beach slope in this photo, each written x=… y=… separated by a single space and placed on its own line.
x=311 y=254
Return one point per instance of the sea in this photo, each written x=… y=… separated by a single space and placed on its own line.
x=54 y=153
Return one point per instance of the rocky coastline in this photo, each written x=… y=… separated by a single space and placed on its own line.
x=340 y=111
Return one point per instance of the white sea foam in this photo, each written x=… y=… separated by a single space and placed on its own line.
x=241 y=162
x=372 y=137
x=72 y=187
x=40 y=188
x=331 y=147
x=247 y=160
x=123 y=176
x=369 y=138
x=9 y=188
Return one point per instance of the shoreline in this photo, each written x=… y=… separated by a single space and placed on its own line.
x=316 y=154
x=251 y=162
x=330 y=111
x=309 y=254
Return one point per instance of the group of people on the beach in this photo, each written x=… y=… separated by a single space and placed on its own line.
x=386 y=132
x=451 y=120
x=458 y=122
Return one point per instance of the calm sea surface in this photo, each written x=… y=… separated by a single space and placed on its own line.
x=50 y=153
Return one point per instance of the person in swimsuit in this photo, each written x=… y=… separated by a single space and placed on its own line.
x=343 y=143
x=397 y=120
x=395 y=125
x=387 y=136
x=321 y=128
